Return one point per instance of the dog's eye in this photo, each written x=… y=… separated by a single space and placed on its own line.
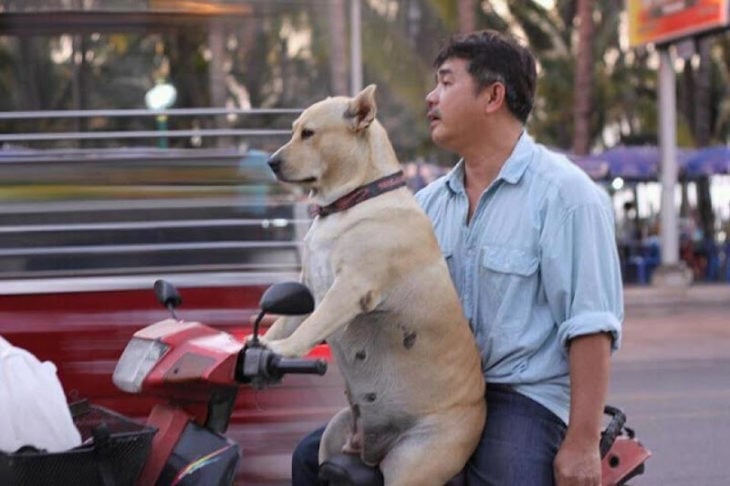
x=307 y=133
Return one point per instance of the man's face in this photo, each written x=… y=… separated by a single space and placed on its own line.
x=453 y=106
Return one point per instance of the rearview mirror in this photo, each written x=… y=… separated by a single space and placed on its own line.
x=287 y=298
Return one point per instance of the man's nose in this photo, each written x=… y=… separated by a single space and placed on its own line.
x=431 y=97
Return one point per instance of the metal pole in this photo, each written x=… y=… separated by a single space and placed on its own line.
x=668 y=148
x=355 y=46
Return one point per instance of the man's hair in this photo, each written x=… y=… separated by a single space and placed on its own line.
x=494 y=56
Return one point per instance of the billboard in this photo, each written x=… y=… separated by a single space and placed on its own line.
x=659 y=21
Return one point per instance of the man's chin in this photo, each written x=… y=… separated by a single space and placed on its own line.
x=439 y=137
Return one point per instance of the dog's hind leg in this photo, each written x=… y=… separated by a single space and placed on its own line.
x=432 y=454
x=414 y=463
x=340 y=436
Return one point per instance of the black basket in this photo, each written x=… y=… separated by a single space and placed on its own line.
x=113 y=451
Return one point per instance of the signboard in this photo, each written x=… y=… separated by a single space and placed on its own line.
x=658 y=21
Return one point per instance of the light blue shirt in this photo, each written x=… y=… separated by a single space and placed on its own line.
x=536 y=266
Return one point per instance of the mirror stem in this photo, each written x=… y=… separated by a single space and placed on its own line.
x=255 y=339
x=171 y=308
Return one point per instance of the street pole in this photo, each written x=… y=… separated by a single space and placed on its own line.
x=355 y=46
x=672 y=272
x=668 y=150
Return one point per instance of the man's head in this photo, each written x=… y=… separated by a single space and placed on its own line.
x=493 y=57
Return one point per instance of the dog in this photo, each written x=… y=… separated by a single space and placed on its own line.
x=385 y=302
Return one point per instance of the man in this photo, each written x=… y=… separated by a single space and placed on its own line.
x=530 y=245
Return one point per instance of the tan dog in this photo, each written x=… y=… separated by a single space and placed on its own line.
x=384 y=302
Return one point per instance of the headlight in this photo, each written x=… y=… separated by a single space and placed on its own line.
x=138 y=359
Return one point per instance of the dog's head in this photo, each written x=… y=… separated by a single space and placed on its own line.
x=336 y=146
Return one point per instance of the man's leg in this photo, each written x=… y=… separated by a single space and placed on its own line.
x=519 y=443
x=305 y=460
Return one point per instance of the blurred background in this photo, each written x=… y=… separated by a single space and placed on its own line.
x=139 y=99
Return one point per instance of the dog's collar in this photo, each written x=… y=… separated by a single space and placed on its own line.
x=363 y=193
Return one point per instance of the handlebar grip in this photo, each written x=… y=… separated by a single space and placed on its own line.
x=613 y=429
x=300 y=366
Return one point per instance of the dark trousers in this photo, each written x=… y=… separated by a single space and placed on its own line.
x=517 y=447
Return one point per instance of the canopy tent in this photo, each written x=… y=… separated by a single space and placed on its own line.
x=634 y=163
x=708 y=161
x=642 y=163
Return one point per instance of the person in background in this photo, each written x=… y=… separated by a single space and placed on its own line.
x=530 y=244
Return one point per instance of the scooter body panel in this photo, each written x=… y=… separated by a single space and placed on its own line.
x=624 y=460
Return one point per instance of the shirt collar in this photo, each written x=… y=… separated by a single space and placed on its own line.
x=512 y=169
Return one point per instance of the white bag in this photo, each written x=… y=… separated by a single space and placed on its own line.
x=33 y=407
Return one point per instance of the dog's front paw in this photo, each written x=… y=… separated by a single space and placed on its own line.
x=285 y=348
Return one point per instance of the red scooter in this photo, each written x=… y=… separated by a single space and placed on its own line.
x=199 y=369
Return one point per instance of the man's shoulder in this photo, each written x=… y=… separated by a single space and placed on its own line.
x=433 y=191
x=567 y=181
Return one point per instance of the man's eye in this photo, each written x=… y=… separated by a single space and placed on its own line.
x=306 y=133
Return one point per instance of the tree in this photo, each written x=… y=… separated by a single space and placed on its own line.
x=337 y=14
x=467 y=17
x=583 y=86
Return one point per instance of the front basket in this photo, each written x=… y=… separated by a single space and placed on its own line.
x=113 y=451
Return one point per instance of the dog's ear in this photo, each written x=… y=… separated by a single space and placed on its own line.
x=361 y=110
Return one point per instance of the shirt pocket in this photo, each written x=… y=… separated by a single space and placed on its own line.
x=509 y=261
x=507 y=286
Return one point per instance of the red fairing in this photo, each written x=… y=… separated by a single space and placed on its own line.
x=197 y=355
x=625 y=456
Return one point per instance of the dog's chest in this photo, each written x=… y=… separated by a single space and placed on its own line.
x=318 y=269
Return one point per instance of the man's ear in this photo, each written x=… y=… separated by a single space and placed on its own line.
x=495 y=97
x=362 y=109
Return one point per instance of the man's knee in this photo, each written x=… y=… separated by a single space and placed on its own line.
x=305 y=460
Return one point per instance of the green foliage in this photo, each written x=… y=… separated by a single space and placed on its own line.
x=280 y=57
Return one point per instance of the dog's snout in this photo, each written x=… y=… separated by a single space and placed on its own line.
x=275 y=163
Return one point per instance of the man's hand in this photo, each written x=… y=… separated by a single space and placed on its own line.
x=578 y=463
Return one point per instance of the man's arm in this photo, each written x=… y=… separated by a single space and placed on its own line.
x=578 y=461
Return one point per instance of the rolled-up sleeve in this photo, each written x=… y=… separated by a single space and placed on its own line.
x=581 y=273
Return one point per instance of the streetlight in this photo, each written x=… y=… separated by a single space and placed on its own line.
x=159 y=98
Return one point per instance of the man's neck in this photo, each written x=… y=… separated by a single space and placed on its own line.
x=485 y=158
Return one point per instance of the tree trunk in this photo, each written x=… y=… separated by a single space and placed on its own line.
x=467 y=17
x=583 y=87
x=338 y=46
x=703 y=132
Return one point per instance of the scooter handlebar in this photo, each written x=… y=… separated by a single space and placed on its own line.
x=298 y=365
x=260 y=366
x=613 y=429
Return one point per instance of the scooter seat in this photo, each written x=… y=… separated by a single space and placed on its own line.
x=349 y=470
